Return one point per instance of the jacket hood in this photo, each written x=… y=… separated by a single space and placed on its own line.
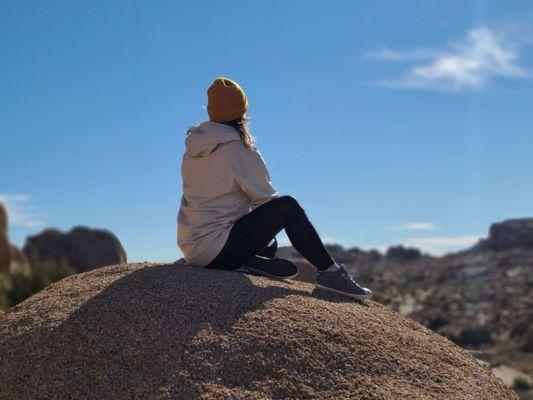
x=203 y=139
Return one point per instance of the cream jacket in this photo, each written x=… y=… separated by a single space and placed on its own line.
x=222 y=181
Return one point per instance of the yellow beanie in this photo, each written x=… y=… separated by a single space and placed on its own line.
x=226 y=100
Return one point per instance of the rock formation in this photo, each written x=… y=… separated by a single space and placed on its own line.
x=3 y=218
x=401 y=253
x=5 y=258
x=508 y=235
x=83 y=248
x=11 y=258
x=179 y=332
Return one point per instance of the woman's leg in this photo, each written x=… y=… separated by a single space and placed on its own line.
x=255 y=230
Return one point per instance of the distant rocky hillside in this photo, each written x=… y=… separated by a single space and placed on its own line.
x=481 y=298
x=148 y=331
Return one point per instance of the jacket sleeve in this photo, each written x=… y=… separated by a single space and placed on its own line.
x=252 y=176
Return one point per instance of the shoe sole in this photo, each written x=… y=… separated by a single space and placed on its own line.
x=351 y=295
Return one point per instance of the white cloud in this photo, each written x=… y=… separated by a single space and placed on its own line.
x=442 y=244
x=20 y=210
x=470 y=64
x=413 y=226
x=434 y=245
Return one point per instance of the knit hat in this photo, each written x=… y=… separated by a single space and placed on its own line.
x=226 y=100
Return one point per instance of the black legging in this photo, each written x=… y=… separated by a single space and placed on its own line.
x=254 y=232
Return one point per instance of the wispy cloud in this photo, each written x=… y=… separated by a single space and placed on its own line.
x=443 y=244
x=20 y=210
x=470 y=64
x=434 y=245
x=392 y=55
x=412 y=226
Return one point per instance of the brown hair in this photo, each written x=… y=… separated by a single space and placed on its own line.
x=241 y=124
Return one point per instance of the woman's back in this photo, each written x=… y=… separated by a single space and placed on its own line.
x=222 y=181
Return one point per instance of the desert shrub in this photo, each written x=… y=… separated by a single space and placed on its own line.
x=528 y=342
x=474 y=336
x=521 y=384
x=4 y=289
x=437 y=322
x=451 y=337
x=520 y=329
x=42 y=274
x=380 y=298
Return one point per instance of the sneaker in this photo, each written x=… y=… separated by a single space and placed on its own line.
x=275 y=268
x=340 y=282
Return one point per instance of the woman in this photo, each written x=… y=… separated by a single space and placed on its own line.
x=230 y=213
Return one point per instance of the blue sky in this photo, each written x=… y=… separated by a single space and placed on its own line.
x=391 y=122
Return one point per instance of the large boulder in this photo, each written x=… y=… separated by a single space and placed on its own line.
x=401 y=253
x=82 y=248
x=510 y=234
x=3 y=218
x=179 y=332
x=11 y=258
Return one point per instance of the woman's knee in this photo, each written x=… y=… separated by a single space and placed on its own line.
x=288 y=200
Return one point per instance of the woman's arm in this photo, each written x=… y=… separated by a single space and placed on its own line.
x=252 y=176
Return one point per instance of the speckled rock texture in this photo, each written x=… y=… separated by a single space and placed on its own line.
x=146 y=331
